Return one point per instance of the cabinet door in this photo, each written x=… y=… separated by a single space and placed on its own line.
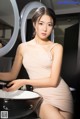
x=69 y=63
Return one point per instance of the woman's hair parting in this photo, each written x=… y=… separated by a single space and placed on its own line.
x=42 y=11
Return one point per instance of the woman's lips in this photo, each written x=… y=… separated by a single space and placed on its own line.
x=44 y=34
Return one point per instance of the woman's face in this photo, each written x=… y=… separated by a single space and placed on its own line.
x=43 y=27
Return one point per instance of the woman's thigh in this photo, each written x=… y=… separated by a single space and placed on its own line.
x=67 y=115
x=49 y=112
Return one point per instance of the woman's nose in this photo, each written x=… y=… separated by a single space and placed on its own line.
x=45 y=27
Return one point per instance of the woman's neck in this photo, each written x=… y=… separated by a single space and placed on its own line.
x=41 y=41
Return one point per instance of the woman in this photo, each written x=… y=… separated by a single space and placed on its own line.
x=42 y=59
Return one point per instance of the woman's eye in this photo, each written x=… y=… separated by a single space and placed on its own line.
x=50 y=25
x=41 y=23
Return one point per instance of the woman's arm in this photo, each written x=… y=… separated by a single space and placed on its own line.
x=51 y=81
x=7 y=76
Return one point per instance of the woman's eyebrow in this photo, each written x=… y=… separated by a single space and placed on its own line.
x=47 y=22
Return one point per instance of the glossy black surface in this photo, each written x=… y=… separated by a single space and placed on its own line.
x=18 y=108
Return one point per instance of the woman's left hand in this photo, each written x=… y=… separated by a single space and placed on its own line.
x=14 y=85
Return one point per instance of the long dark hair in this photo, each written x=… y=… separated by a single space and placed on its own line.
x=42 y=11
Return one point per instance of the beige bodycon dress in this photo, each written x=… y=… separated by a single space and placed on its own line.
x=37 y=61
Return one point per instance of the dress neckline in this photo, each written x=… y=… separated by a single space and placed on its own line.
x=40 y=44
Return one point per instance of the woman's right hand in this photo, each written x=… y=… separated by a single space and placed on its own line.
x=14 y=85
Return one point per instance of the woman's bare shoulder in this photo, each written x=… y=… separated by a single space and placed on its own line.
x=24 y=45
x=21 y=48
x=56 y=45
x=21 y=45
x=56 y=48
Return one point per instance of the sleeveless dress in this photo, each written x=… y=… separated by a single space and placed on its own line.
x=37 y=62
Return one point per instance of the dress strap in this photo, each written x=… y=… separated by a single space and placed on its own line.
x=52 y=46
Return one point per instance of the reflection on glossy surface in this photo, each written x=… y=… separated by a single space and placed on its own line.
x=19 y=104
x=6 y=21
x=10 y=18
x=19 y=94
